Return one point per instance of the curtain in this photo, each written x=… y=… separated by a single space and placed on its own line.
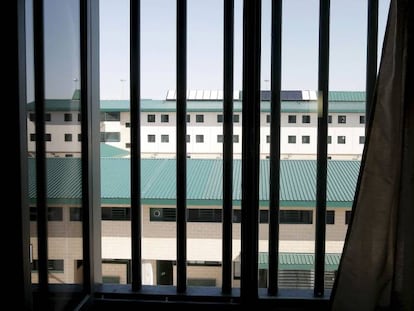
x=376 y=271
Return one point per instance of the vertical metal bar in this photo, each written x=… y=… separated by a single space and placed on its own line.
x=250 y=149
x=322 y=152
x=181 y=145
x=135 y=72
x=228 y=64
x=39 y=86
x=89 y=103
x=372 y=48
x=17 y=242
x=274 y=204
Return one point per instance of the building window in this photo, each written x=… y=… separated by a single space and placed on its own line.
x=268 y=118
x=187 y=138
x=220 y=138
x=330 y=217
x=199 y=138
x=79 y=137
x=291 y=139
x=53 y=214
x=329 y=119
x=263 y=216
x=127 y=124
x=68 y=155
x=68 y=137
x=53 y=265
x=112 y=137
x=111 y=116
x=329 y=140
x=165 y=138
x=68 y=117
x=361 y=119
x=188 y=118
x=48 y=117
x=268 y=139
x=79 y=117
x=32 y=117
x=306 y=119
x=75 y=214
x=199 y=118
x=204 y=215
x=291 y=119
x=295 y=217
x=341 y=119
x=236 y=118
x=347 y=217
x=151 y=118
x=165 y=118
x=48 y=137
x=116 y=213
x=362 y=140
x=235 y=138
x=32 y=137
x=341 y=140
x=219 y=118
x=127 y=145
x=151 y=138
x=305 y=139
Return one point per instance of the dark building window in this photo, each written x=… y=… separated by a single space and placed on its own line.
x=199 y=138
x=48 y=117
x=347 y=217
x=291 y=119
x=32 y=137
x=199 y=118
x=68 y=117
x=330 y=217
x=268 y=139
x=361 y=119
x=75 y=214
x=362 y=139
x=329 y=119
x=295 y=217
x=291 y=139
x=188 y=118
x=329 y=139
x=165 y=118
x=116 y=213
x=68 y=137
x=127 y=124
x=306 y=119
x=151 y=118
x=151 y=138
x=187 y=138
x=341 y=119
x=53 y=265
x=220 y=138
x=236 y=118
x=235 y=138
x=48 y=137
x=305 y=139
x=165 y=138
x=53 y=213
x=341 y=140
x=79 y=137
x=219 y=118
x=268 y=118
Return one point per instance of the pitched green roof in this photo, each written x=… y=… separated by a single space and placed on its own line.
x=300 y=261
x=204 y=181
x=108 y=151
x=338 y=102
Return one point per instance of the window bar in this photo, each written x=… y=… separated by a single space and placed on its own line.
x=274 y=206
x=17 y=141
x=39 y=87
x=372 y=46
x=135 y=71
x=181 y=145
x=89 y=105
x=250 y=150
x=228 y=144
x=322 y=160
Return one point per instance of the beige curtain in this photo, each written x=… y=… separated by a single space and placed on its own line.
x=377 y=266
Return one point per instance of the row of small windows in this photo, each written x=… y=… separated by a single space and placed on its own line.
x=48 y=137
x=151 y=138
x=215 y=215
x=306 y=139
x=199 y=118
x=193 y=215
x=67 y=117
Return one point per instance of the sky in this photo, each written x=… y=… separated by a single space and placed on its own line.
x=204 y=46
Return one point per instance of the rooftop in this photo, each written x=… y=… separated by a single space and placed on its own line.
x=204 y=181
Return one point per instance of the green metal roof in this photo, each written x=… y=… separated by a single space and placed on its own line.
x=108 y=151
x=300 y=261
x=338 y=102
x=204 y=181
x=347 y=96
